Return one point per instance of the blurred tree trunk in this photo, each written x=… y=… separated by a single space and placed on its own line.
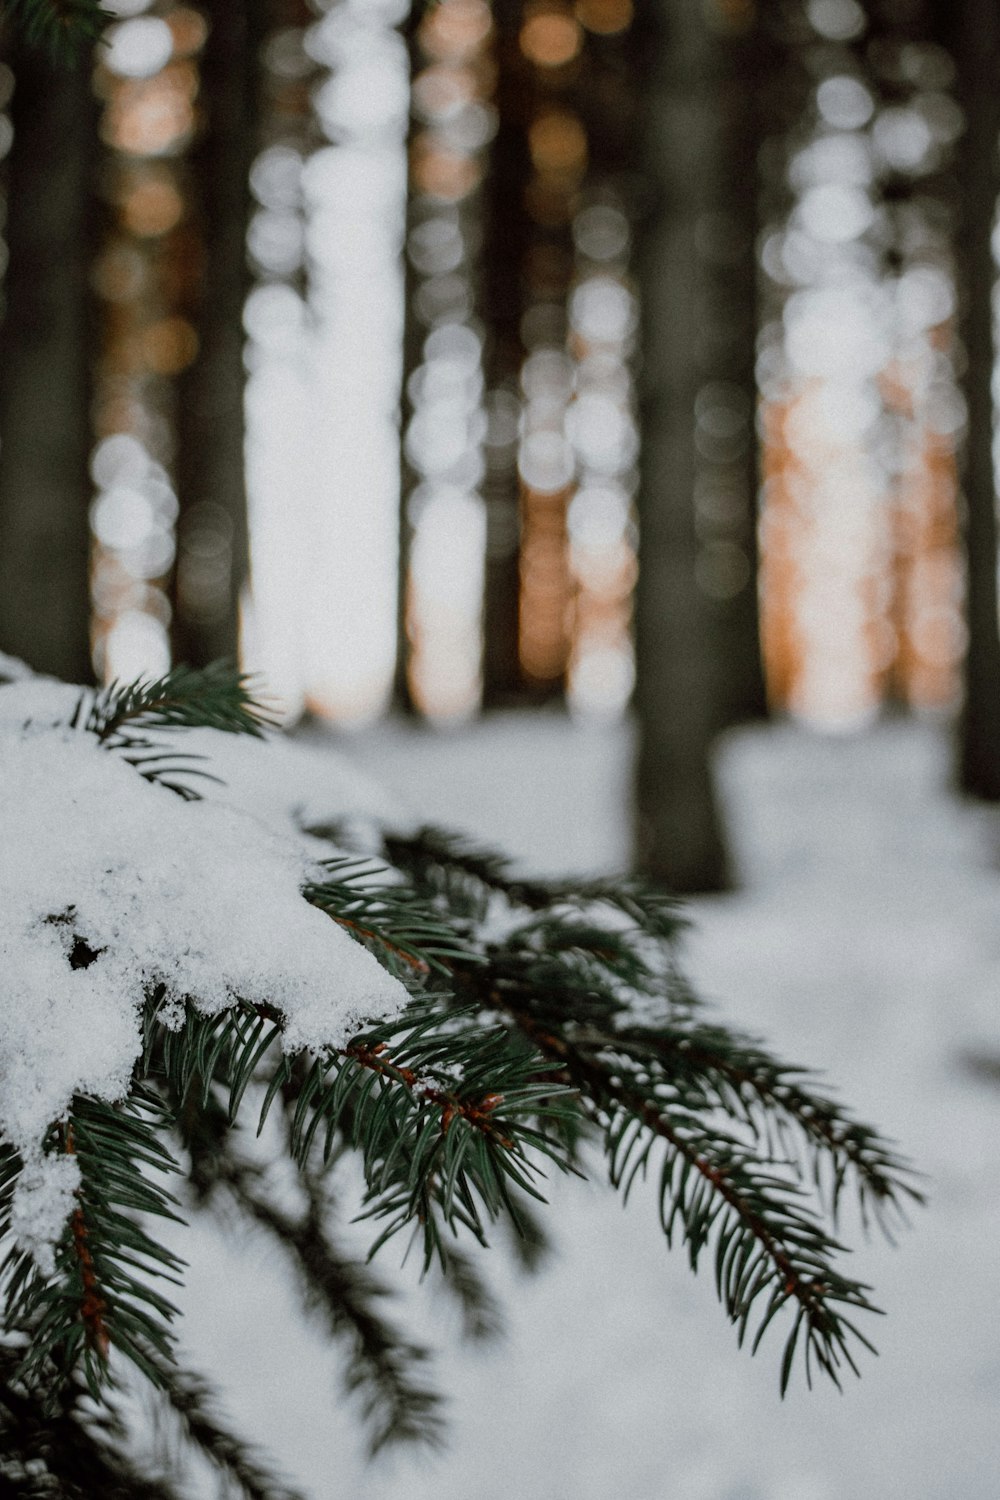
x=507 y=236
x=212 y=545
x=413 y=343
x=728 y=244
x=45 y=434
x=972 y=31
x=686 y=637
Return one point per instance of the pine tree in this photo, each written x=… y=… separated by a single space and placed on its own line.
x=537 y=1015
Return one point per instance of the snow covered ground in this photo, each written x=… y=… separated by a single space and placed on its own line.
x=866 y=942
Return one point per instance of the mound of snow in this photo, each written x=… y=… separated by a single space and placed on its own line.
x=111 y=885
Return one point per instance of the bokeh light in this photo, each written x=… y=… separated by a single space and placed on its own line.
x=324 y=326
x=861 y=416
x=550 y=36
x=147 y=82
x=445 y=522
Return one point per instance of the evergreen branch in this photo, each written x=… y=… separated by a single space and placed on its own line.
x=446 y=866
x=539 y=1010
x=482 y=1319
x=382 y=1366
x=747 y=1204
x=768 y=1240
x=453 y=871
x=217 y=697
x=578 y=974
x=228 y=1045
x=204 y=1126
x=529 y=1242
x=567 y=984
x=122 y=716
x=99 y=1293
x=587 y=980
x=408 y=935
x=443 y=1112
x=192 y=1401
x=62 y=28
x=747 y=1080
x=60 y=1454
x=443 y=1118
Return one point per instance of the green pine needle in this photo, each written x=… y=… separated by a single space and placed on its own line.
x=62 y=28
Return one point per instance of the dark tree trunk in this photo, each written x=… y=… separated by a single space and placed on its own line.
x=507 y=235
x=402 y=698
x=413 y=341
x=973 y=30
x=212 y=557
x=729 y=251
x=45 y=340
x=413 y=348
x=679 y=695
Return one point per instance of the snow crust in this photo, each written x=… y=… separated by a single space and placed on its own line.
x=110 y=885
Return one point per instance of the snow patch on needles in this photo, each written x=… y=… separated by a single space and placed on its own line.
x=43 y=1201
x=111 y=885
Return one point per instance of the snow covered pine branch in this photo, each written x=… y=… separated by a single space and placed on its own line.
x=175 y=967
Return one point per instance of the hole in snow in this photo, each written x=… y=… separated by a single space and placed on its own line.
x=78 y=951
x=82 y=955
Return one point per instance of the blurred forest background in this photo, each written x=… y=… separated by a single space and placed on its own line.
x=469 y=355
x=630 y=362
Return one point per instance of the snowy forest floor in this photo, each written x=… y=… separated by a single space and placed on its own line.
x=865 y=942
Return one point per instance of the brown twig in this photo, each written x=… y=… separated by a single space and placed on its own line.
x=478 y=1113
x=419 y=964
x=594 y=1084
x=93 y=1306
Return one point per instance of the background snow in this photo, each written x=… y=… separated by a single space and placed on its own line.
x=294 y=783
x=866 y=942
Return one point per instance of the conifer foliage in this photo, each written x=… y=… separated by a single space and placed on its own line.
x=62 y=28
x=535 y=1016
